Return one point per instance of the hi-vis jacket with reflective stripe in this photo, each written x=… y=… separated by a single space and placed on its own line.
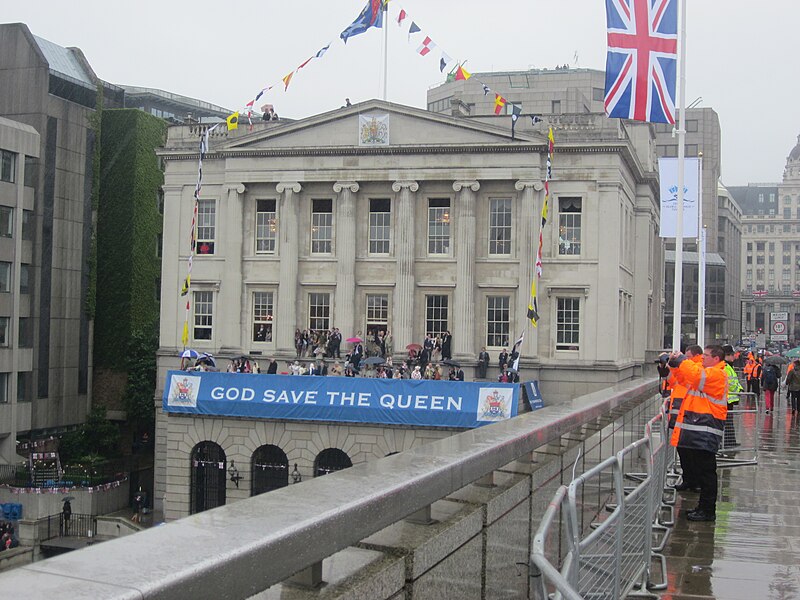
x=678 y=393
x=701 y=420
x=734 y=385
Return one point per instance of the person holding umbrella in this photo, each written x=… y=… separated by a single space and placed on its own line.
x=793 y=384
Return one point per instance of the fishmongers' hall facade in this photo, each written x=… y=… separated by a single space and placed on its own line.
x=382 y=216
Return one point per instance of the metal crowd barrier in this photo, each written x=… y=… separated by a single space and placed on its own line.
x=614 y=558
x=742 y=436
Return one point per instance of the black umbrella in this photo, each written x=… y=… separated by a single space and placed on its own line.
x=451 y=362
x=374 y=360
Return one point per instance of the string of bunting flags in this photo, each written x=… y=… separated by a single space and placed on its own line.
x=63 y=490
x=372 y=15
x=533 y=307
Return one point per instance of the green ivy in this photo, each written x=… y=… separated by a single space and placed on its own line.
x=96 y=124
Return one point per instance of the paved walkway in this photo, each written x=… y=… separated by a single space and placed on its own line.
x=752 y=551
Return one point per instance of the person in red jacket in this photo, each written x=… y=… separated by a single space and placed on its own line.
x=701 y=422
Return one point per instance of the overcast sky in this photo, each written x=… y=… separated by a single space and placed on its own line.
x=740 y=56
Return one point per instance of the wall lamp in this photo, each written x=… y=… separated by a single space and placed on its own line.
x=234 y=473
x=296 y=476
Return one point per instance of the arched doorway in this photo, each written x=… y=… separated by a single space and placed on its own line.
x=208 y=464
x=270 y=469
x=330 y=460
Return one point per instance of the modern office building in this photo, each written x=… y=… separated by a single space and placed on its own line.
x=770 y=264
x=173 y=108
x=386 y=216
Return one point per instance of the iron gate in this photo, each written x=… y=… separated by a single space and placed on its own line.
x=270 y=469
x=208 y=477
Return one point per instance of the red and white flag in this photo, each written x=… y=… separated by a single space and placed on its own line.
x=426 y=46
x=401 y=17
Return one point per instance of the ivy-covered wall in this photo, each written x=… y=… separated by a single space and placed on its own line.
x=128 y=226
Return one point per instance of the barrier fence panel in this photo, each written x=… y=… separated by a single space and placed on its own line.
x=741 y=437
x=612 y=557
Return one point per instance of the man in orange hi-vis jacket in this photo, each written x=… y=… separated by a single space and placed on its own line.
x=701 y=422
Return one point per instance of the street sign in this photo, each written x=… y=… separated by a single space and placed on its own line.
x=778 y=327
x=779 y=316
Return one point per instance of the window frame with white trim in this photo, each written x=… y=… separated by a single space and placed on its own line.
x=262 y=304
x=203 y=321
x=501 y=218
x=266 y=226
x=206 y=227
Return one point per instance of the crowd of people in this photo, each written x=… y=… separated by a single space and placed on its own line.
x=371 y=356
x=703 y=387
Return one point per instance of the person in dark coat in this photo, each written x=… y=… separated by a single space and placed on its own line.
x=447 y=343
x=483 y=363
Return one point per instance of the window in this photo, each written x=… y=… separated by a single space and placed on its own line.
x=24 y=386
x=319 y=311
x=555 y=107
x=206 y=226
x=749 y=246
x=377 y=312
x=5 y=323
x=6 y=221
x=749 y=260
x=321 y=225
x=266 y=226
x=439 y=226
x=25 y=333
x=761 y=198
x=380 y=225
x=691 y=125
x=8 y=166
x=760 y=259
x=500 y=226
x=787 y=212
x=691 y=150
x=24 y=279
x=669 y=151
x=598 y=94
x=498 y=321
x=5 y=276
x=569 y=226
x=27 y=224
x=436 y=315
x=760 y=246
x=263 y=310
x=3 y=388
x=749 y=276
x=568 y=323
x=203 y=315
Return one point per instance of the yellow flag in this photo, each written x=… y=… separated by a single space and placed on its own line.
x=286 y=81
x=185 y=335
x=233 y=121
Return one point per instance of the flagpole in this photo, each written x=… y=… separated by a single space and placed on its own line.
x=701 y=259
x=676 y=316
x=385 y=9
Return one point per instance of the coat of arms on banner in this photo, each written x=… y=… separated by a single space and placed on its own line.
x=494 y=404
x=183 y=390
x=373 y=130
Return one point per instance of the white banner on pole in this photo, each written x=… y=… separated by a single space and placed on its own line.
x=668 y=174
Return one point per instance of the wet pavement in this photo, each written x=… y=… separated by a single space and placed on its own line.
x=752 y=551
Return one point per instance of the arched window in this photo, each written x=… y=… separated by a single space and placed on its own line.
x=330 y=460
x=270 y=469
x=208 y=464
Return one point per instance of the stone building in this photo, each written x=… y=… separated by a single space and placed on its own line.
x=550 y=92
x=390 y=217
x=770 y=264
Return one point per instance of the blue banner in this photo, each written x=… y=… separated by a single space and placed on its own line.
x=534 y=395
x=340 y=399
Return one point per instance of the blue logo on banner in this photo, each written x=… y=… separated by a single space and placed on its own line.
x=340 y=399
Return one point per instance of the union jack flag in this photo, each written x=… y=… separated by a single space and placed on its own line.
x=642 y=59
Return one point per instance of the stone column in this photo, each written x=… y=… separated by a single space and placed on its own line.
x=231 y=295
x=529 y=223
x=287 y=287
x=344 y=306
x=403 y=305
x=464 y=297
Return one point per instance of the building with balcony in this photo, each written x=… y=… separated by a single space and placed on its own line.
x=770 y=264
x=381 y=216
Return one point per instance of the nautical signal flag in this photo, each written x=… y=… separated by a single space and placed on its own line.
x=286 y=81
x=499 y=103
x=426 y=46
x=401 y=17
x=233 y=121
x=371 y=16
x=462 y=74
